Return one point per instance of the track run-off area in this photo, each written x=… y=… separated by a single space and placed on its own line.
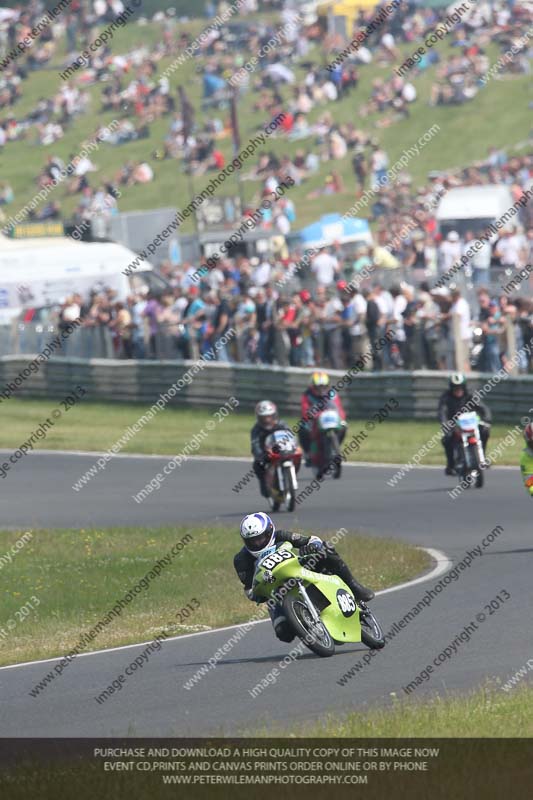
x=162 y=699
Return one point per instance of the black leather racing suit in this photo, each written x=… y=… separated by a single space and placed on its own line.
x=327 y=560
x=449 y=409
x=258 y=436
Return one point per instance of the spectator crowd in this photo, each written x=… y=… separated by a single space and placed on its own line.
x=330 y=325
x=297 y=76
x=328 y=311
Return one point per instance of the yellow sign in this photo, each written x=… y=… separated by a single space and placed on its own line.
x=34 y=229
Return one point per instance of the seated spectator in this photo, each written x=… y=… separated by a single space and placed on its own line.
x=6 y=193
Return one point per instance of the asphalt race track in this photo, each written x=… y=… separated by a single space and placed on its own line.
x=154 y=703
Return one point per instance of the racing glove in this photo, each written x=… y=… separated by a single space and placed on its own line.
x=251 y=596
x=315 y=545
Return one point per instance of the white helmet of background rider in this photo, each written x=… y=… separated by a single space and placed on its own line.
x=267 y=414
x=258 y=533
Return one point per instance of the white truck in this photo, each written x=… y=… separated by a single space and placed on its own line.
x=35 y=273
x=472 y=208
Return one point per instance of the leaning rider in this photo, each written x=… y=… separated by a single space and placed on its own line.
x=259 y=535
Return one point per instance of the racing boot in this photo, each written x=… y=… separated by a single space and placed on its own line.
x=360 y=592
x=263 y=486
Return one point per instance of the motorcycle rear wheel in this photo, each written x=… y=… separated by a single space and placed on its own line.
x=300 y=620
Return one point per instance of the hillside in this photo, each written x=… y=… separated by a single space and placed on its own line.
x=464 y=138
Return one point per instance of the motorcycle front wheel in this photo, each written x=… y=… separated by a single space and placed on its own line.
x=460 y=466
x=476 y=471
x=291 y=502
x=313 y=635
x=371 y=633
x=292 y=486
x=333 y=461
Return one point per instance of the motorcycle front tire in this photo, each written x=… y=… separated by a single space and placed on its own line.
x=322 y=649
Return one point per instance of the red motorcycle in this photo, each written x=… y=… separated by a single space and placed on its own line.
x=285 y=457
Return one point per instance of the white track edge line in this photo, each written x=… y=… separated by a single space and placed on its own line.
x=242 y=459
x=443 y=564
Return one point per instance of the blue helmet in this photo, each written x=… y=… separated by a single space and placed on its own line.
x=257 y=532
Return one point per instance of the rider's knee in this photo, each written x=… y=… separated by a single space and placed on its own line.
x=258 y=467
x=282 y=629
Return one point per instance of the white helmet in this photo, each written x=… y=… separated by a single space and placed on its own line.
x=457 y=381
x=267 y=414
x=258 y=533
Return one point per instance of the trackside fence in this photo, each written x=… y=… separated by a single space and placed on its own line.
x=113 y=380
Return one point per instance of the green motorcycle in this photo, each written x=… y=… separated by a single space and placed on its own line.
x=320 y=609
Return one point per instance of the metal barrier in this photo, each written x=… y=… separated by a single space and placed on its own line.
x=173 y=342
x=113 y=380
x=27 y=339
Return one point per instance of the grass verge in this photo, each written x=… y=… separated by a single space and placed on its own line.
x=78 y=576
x=97 y=426
x=486 y=712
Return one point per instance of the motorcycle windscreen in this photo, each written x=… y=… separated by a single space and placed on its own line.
x=341 y=615
x=329 y=420
x=467 y=421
